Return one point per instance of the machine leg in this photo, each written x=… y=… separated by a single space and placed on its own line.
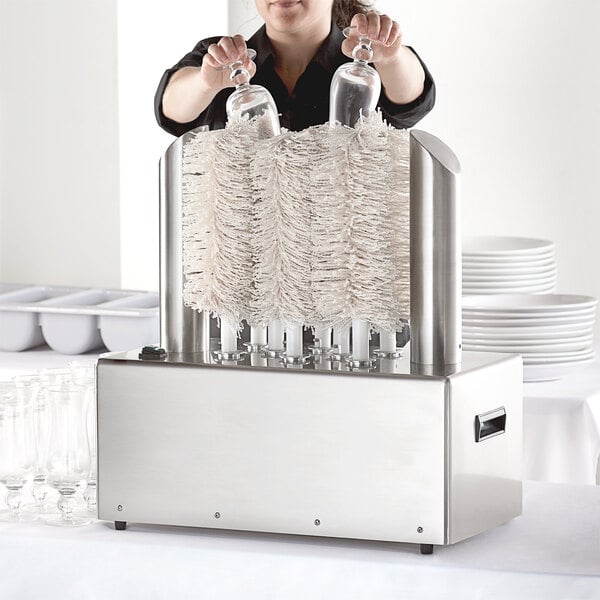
x=426 y=548
x=120 y=525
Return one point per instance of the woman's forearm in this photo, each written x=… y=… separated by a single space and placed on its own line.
x=186 y=95
x=403 y=77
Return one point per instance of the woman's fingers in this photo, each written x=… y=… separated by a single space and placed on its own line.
x=385 y=28
x=373 y=25
x=227 y=50
x=378 y=28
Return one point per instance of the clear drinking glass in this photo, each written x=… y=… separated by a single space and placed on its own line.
x=68 y=459
x=28 y=388
x=84 y=373
x=17 y=454
x=251 y=101
x=355 y=86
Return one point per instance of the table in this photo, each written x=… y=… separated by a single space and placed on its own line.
x=561 y=427
x=552 y=551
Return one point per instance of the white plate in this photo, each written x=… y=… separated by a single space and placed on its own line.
x=495 y=290
x=548 y=303
x=535 y=359
x=521 y=317
x=502 y=270
x=524 y=342
x=527 y=348
x=494 y=245
x=586 y=319
x=524 y=334
x=533 y=373
x=574 y=328
x=565 y=354
x=507 y=285
x=537 y=278
x=545 y=260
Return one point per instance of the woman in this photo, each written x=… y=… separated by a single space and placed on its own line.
x=298 y=50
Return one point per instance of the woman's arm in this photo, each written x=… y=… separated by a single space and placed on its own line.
x=402 y=75
x=191 y=89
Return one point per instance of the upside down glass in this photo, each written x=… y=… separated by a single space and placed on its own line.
x=251 y=101
x=355 y=86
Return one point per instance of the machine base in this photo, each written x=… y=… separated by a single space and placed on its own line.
x=382 y=455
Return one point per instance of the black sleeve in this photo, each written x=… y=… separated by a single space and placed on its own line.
x=404 y=116
x=192 y=59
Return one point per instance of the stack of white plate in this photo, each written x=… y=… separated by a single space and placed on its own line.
x=508 y=265
x=553 y=332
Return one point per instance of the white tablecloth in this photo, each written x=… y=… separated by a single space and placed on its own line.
x=561 y=427
x=561 y=419
x=551 y=552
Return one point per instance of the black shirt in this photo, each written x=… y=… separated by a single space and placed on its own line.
x=308 y=104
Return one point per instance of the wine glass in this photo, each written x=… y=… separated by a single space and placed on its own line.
x=28 y=388
x=249 y=101
x=17 y=454
x=355 y=86
x=84 y=373
x=68 y=459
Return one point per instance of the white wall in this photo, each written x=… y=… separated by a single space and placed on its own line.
x=59 y=193
x=519 y=105
x=153 y=35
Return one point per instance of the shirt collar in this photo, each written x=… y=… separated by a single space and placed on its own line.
x=329 y=55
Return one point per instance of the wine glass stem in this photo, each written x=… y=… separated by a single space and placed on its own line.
x=13 y=500
x=66 y=505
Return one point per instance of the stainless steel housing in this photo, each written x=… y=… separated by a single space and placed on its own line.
x=182 y=329
x=378 y=455
x=435 y=254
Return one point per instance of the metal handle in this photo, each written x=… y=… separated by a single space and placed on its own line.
x=490 y=424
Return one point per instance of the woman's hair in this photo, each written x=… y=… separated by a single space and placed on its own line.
x=344 y=10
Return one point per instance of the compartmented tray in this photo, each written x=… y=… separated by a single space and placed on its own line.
x=76 y=320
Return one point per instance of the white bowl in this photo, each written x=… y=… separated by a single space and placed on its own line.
x=490 y=245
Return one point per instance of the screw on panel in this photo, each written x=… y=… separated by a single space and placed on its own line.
x=419 y=530
x=217 y=515
x=317 y=522
x=120 y=507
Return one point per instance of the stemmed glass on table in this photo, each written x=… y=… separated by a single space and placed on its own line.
x=68 y=459
x=17 y=453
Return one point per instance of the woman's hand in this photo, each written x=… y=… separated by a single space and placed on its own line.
x=402 y=75
x=220 y=55
x=382 y=30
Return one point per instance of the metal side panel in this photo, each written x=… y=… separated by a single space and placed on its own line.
x=484 y=477
x=349 y=456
